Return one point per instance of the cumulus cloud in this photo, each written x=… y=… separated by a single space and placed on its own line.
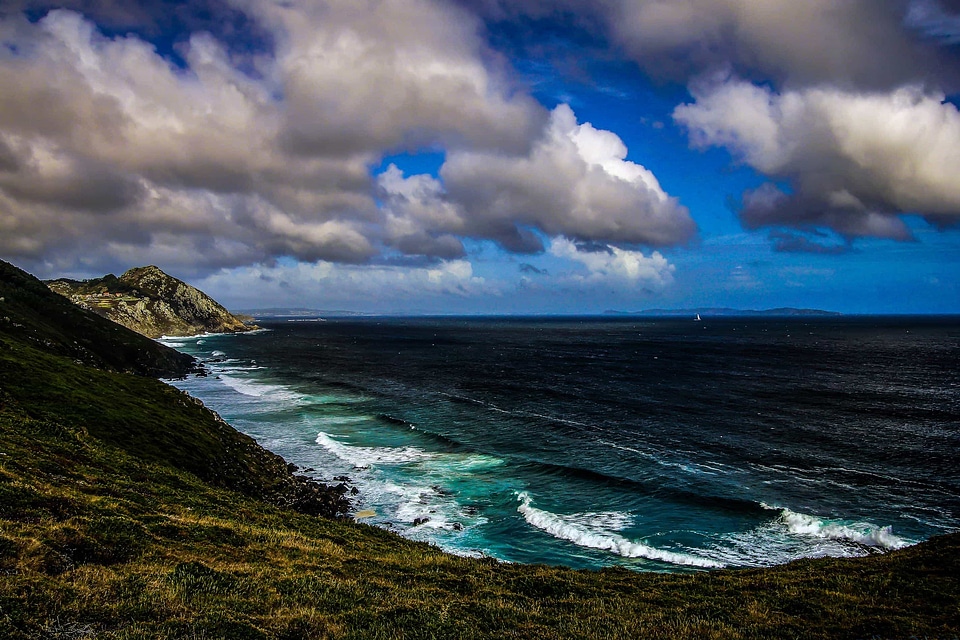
x=221 y=158
x=854 y=160
x=387 y=75
x=614 y=266
x=330 y=285
x=118 y=149
x=574 y=182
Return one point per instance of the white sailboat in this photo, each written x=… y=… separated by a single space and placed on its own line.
x=698 y=318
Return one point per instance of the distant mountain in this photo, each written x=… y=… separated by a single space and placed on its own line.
x=725 y=312
x=152 y=303
x=31 y=313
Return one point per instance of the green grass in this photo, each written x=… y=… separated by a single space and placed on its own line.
x=31 y=313
x=94 y=539
x=127 y=510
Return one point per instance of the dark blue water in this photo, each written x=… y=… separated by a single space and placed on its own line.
x=657 y=444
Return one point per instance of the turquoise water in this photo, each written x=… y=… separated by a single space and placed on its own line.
x=659 y=446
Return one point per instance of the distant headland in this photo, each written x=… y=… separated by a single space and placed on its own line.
x=725 y=312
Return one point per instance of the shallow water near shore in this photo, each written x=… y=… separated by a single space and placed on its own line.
x=657 y=444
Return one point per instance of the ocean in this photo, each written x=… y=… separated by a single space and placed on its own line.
x=661 y=444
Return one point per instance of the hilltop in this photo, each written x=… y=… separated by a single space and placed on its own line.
x=128 y=510
x=152 y=303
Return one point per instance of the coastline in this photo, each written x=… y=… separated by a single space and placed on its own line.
x=849 y=536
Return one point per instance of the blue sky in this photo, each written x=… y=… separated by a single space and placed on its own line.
x=478 y=156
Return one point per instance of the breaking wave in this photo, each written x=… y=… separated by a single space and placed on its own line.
x=864 y=533
x=363 y=457
x=578 y=530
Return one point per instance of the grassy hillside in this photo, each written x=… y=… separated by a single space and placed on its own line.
x=29 y=312
x=127 y=510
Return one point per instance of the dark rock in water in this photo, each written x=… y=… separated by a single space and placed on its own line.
x=457 y=526
x=341 y=479
x=152 y=303
x=419 y=521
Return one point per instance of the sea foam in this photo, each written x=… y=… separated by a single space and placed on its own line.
x=362 y=457
x=864 y=533
x=576 y=530
x=260 y=389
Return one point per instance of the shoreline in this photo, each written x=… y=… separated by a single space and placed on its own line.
x=868 y=538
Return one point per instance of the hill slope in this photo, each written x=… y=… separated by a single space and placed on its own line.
x=127 y=510
x=30 y=313
x=152 y=303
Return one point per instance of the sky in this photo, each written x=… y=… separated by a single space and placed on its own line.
x=490 y=156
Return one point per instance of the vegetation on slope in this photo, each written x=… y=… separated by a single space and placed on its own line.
x=129 y=511
x=29 y=312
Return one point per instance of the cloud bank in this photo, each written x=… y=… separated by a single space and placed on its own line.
x=842 y=104
x=574 y=182
x=109 y=149
x=855 y=161
x=239 y=134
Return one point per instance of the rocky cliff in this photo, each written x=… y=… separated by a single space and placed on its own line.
x=152 y=303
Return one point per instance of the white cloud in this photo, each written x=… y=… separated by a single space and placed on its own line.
x=331 y=285
x=115 y=147
x=614 y=266
x=855 y=160
x=574 y=182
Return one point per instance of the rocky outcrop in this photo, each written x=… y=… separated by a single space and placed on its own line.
x=152 y=303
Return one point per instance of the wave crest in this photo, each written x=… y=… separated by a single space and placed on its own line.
x=574 y=529
x=362 y=457
x=864 y=533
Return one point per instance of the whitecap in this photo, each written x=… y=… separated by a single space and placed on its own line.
x=574 y=529
x=362 y=457
x=864 y=533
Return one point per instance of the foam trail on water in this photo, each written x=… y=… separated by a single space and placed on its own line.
x=573 y=529
x=864 y=533
x=362 y=457
x=260 y=389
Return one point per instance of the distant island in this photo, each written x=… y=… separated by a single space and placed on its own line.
x=724 y=312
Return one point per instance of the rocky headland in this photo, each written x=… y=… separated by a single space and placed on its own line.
x=152 y=303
